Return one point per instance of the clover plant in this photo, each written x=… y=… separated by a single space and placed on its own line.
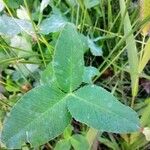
x=45 y=111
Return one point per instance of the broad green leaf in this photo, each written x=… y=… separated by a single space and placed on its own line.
x=39 y=116
x=99 y=109
x=68 y=60
x=12 y=26
x=95 y=50
x=89 y=73
x=131 y=49
x=63 y=145
x=79 y=142
x=91 y=3
x=54 y=23
x=145 y=57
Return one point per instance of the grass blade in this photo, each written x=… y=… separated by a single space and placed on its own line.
x=146 y=56
x=131 y=49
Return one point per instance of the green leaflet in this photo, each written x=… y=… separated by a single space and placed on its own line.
x=42 y=114
x=54 y=23
x=68 y=59
x=63 y=145
x=33 y=118
x=79 y=142
x=12 y=26
x=89 y=73
x=95 y=49
x=97 y=108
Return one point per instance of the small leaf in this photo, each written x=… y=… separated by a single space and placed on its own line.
x=39 y=116
x=68 y=132
x=68 y=60
x=22 y=13
x=79 y=142
x=54 y=23
x=95 y=50
x=89 y=73
x=10 y=86
x=12 y=26
x=63 y=145
x=100 y=110
x=91 y=3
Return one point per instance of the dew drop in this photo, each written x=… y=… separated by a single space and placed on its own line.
x=92 y=86
x=109 y=105
x=88 y=116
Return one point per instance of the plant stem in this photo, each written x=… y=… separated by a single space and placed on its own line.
x=35 y=32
